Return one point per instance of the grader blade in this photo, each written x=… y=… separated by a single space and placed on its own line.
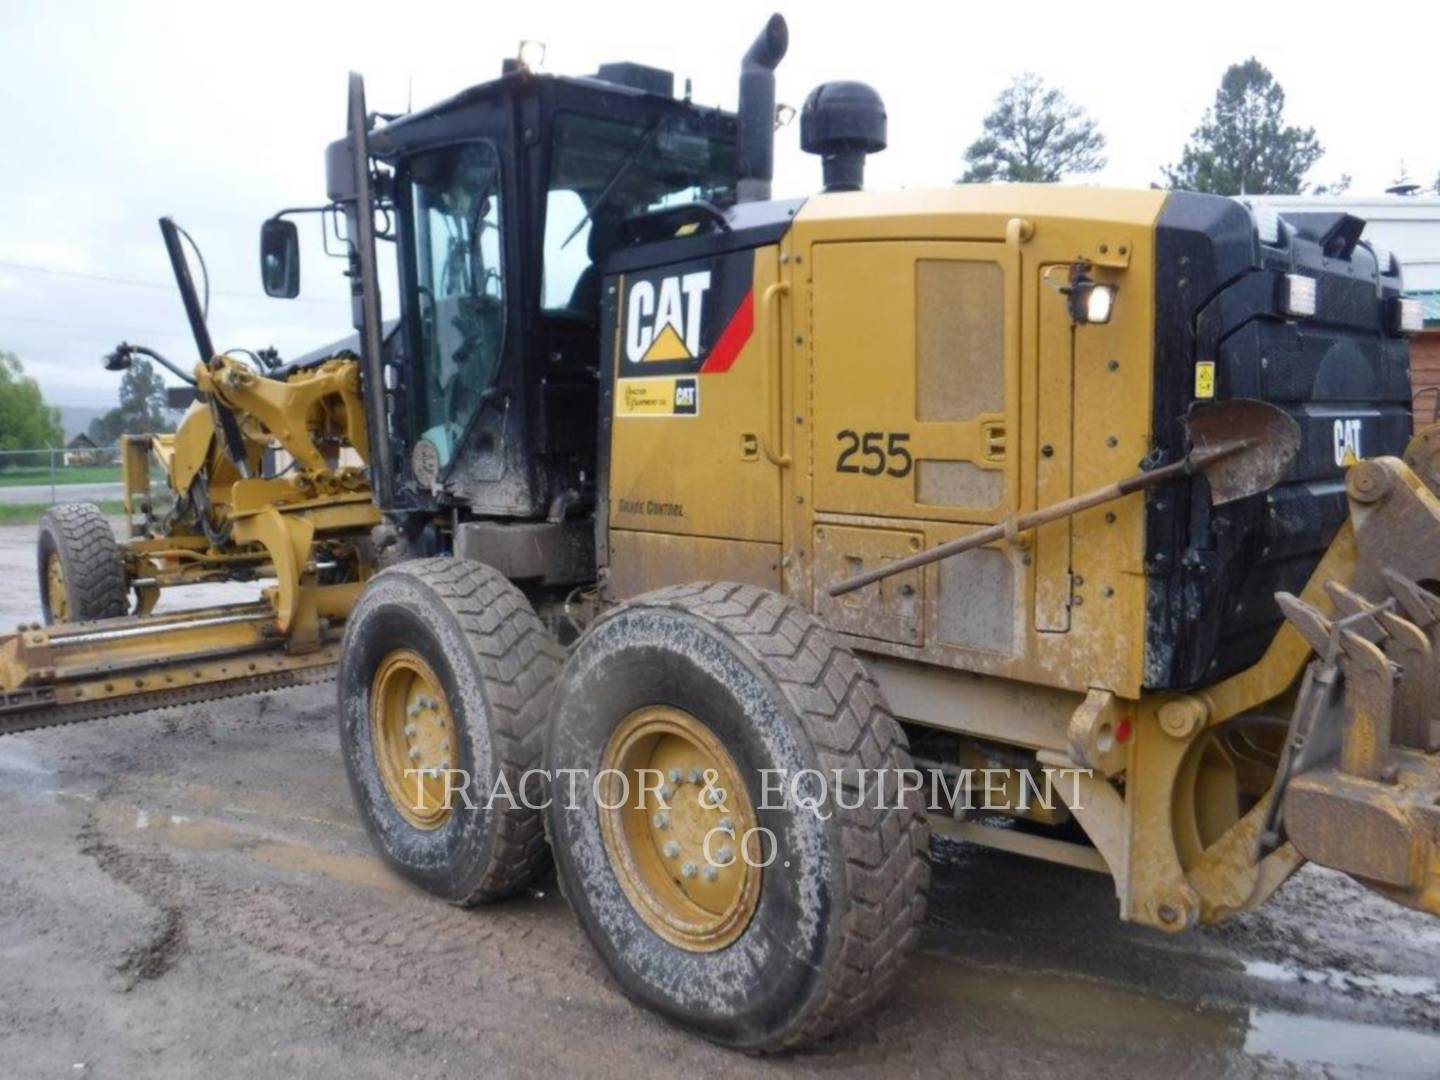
x=69 y=673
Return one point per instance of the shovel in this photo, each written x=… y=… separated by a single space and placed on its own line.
x=1241 y=447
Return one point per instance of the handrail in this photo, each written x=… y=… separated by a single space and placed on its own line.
x=770 y=309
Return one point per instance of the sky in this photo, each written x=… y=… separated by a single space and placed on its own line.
x=116 y=113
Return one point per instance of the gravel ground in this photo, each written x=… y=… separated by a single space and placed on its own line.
x=189 y=893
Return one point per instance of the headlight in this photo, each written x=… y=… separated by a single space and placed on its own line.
x=1089 y=301
x=1406 y=316
x=1267 y=224
x=532 y=55
x=1099 y=302
x=1299 y=295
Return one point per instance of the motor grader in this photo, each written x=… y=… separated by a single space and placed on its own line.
x=229 y=512
x=735 y=508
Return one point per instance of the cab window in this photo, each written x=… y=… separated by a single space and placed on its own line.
x=458 y=287
x=603 y=171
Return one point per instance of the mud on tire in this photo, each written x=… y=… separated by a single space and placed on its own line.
x=779 y=691
x=496 y=665
x=80 y=537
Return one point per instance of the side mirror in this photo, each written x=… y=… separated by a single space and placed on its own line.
x=280 y=258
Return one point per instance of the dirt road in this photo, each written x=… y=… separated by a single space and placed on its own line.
x=189 y=894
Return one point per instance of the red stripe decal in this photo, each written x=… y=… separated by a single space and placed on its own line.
x=732 y=339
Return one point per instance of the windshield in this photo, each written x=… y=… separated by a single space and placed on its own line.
x=604 y=171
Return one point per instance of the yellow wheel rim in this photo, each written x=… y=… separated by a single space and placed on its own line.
x=414 y=738
x=666 y=787
x=55 y=592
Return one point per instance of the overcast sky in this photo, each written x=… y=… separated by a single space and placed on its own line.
x=116 y=113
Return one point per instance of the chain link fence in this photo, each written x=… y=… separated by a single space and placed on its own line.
x=48 y=476
x=31 y=480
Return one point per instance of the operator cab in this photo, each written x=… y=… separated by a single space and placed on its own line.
x=505 y=200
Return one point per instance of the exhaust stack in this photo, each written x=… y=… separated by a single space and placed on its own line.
x=757 y=110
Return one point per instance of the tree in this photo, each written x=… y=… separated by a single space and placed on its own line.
x=1335 y=187
x=26 y=422
x=1035 y=135
x=142 y=407
x=1243 y=146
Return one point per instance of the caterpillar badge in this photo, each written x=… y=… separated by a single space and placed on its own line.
x=685 y=488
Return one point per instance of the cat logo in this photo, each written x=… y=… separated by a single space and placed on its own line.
x=687 y=397
x=667 y=326
x=1347 y=442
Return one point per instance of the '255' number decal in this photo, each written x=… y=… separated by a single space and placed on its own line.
x=881 y=452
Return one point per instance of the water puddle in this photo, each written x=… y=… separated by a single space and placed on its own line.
x=18 y=759
x=191 y=834
x=1096 y=1017
x=23 y=773
x=1416 y=986
x=1340 y=1047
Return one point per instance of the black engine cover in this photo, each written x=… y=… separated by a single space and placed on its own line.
x=1212 y=572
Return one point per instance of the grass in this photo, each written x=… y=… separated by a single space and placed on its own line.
x=31 y=513
x=75 y=474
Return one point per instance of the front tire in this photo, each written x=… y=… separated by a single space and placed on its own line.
x=446 y=667
x=738 y=680
x=82 y=572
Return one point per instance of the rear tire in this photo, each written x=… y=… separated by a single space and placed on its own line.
x=478 y=666
x=82 y=572
x=841 y=902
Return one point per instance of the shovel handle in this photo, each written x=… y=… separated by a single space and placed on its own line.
x=1024 y=523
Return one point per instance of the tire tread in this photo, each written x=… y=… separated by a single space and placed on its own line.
x=94 y=567
x=519 y=660
x=843 y=713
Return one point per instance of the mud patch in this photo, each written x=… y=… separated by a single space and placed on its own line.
x=202 y=835
x=157 y=955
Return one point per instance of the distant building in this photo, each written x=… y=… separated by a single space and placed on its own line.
x=1409 y=225
x=81 y=450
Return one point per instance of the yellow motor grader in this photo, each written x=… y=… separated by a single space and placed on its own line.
x=739 y=542
x=265 y=482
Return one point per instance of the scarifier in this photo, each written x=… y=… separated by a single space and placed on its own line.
x=684 y=488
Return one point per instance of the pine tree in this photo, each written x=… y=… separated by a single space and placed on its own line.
x=1243 y=145
x=1035 y=135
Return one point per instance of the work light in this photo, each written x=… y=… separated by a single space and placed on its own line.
x=1088 y=300
x=531 y=55
x=1299 y=295
x=1406 y=316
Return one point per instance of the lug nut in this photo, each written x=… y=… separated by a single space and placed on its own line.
x=671 y=849
x=725 y=855
x=710 y=873
x=661 y=820
x=414 y=753
x=696 y=776
x=667 y=792
x=675 y=775
x=727 y=825
x=688 y=870
x=409 y=731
